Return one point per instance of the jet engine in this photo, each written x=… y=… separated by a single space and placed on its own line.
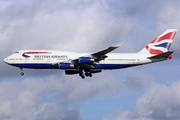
x=65 y=65
x=85 y=60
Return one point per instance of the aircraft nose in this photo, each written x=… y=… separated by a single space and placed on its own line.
x=5 y=60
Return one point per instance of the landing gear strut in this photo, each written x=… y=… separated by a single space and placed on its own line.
x=21 y=73
x=81 y=74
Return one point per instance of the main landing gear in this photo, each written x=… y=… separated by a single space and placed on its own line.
x=21 y=73
x=87 y=74
x=81 y=74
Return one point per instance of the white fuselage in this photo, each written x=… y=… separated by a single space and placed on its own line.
x=85 y=64
x=45 y=59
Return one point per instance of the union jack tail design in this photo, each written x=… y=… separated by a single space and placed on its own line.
x=161 y=44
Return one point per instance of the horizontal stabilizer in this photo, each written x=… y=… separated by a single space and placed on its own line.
x=163 y=55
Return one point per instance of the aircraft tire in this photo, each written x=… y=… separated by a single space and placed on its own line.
x=21 y=73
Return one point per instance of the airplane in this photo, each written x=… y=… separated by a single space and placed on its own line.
x=86 y=64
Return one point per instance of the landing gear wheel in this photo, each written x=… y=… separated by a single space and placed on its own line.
x=88 y=74
x=21 y=73
x=80 y=74
x=83 y=77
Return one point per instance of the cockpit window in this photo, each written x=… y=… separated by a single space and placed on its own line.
x=16 y=52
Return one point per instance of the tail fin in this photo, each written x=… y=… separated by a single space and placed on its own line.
x=161 y=44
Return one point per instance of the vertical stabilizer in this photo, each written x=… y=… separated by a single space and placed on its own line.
x=161 y=44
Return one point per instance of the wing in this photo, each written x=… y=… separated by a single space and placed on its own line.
x=87 y=61
x=102 y=54
x=109 y=49
x=90 y=61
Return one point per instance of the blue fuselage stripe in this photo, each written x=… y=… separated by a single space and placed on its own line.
x=50 y=66
x=36 y=66
x=113 y=66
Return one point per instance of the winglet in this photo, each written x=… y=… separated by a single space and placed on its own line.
x=118 y=45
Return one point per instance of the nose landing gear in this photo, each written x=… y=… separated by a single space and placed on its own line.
x=21 y=73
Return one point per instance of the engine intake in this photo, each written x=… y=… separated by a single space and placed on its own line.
x=66 y=65
x=84 y=60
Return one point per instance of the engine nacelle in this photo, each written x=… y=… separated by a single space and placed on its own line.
x=71 y=72
x=85 y=60
x=65 y=65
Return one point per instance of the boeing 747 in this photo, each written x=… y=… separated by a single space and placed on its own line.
x=85 y=64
